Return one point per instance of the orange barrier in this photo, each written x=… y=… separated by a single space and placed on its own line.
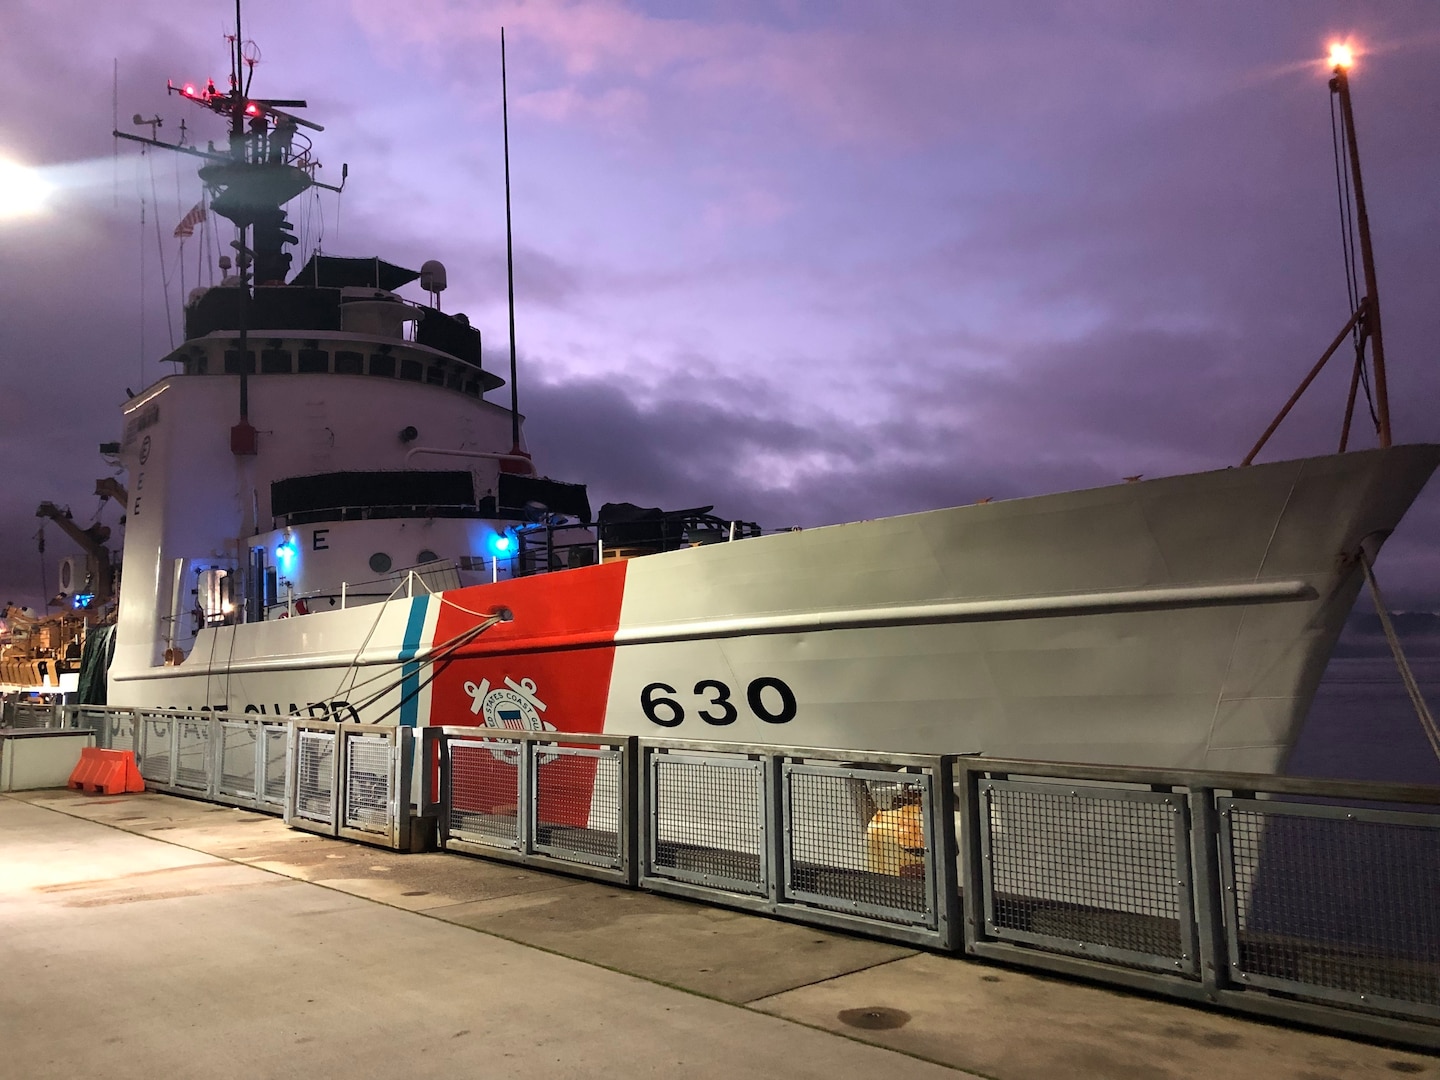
x=111 y=772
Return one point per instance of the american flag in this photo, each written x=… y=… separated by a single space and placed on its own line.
x=190 y=220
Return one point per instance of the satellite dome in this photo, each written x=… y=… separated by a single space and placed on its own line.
x=432 y=276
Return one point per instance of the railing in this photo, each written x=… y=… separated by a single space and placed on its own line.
x=1290 y=898
x=1306 y=900
x=1296 y=899
x=325 y=777
x=30 y=716
x=563 y=802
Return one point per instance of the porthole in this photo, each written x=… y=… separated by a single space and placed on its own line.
x=380 y=562
x=427 y=556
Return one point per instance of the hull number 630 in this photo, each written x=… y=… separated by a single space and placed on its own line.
x=769 y=698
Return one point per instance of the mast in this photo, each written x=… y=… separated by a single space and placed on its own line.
x=509 y=254
x=1366 y=315
x=242 y=435
x=249 y=183
x=1370 y=304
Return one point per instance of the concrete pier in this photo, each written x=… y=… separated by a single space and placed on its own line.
x=147 y=935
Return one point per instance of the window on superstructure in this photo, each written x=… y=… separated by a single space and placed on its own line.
x=436 y=375
x=454 y=379
x=275 y=362
x=382 y=364
x=233 y=362
x=314 y=361
x=197 y=365
x=472 y=387
x=411 y=370
x=349 y=363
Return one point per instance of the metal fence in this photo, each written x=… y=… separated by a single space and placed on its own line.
x=30 y=716
x=331 y=778
x=558 y=801
x=346 y=780
x=1306 y=900
x=1295 y=899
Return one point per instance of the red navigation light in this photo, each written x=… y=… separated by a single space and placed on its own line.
x=252 y=109
x=189 y=90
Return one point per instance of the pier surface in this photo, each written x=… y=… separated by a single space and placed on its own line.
x=147 y=935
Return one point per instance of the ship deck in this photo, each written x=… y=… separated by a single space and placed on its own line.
x=150 y=935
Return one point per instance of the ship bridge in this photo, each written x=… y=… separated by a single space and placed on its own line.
x=338 y=316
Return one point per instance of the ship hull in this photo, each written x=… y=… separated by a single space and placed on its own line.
x=1180 y=622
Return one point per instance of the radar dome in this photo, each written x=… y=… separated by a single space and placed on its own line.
x=432 y=276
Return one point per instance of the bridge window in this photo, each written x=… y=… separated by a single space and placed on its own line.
x=411 y=370
x=275 y=362
x=233 y=362
x=382 y=364
x=314 y=361
x=349 y=363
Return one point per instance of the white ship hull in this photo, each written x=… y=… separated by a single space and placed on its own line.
x=1180 y=622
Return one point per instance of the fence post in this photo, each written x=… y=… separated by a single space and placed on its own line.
x=403 y=763
x=1207 y=892
x=775 y=819
x=630 y=804
x=645 y=825
x=215 y=751
x=446 y=789
x=527 y=802
x=972 y=860
x=174 y=743
x=292 y=769
x=947 y=855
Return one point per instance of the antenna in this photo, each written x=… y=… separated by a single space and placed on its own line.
x=509 y=254
x=115 y=123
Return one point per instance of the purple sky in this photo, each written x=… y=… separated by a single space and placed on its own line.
x=810 y=262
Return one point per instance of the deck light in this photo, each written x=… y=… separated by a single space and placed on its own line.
x=1341 y=56
x=285 y=553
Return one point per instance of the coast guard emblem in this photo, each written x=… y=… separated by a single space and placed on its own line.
x=516 y=706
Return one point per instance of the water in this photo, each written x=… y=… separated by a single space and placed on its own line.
x=1363 y=727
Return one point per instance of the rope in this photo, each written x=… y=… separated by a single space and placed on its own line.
x=437 y=662
x=1427 y=719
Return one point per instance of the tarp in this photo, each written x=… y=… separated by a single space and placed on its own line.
x=94 y=663
x=331 y=272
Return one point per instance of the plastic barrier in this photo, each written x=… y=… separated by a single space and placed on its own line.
x=111 y=772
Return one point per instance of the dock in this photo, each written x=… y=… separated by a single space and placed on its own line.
x=150 y=935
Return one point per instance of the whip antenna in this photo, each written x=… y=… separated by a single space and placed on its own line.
x=509 y=254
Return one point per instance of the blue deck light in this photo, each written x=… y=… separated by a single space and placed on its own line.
x=285 y=553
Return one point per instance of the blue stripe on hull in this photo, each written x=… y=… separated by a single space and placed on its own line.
x=410 y=680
